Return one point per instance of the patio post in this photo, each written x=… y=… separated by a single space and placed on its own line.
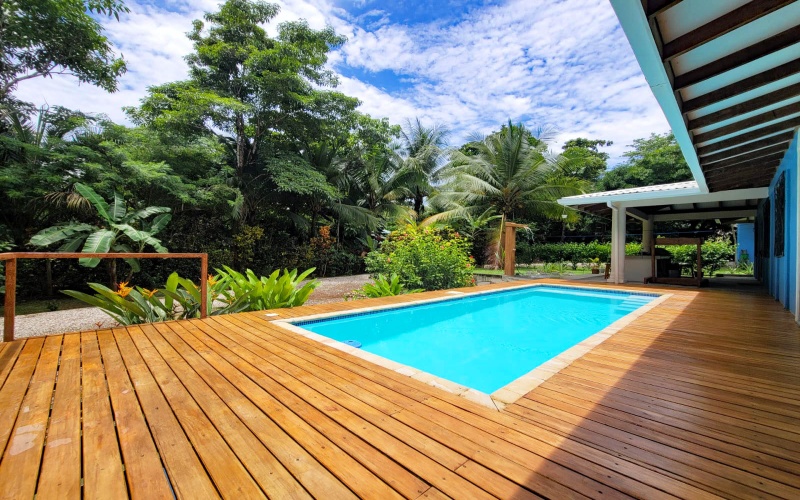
x=9 y=306
x=617 y=243
x=510 y=248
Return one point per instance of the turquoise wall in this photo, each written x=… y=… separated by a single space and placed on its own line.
x=781 y=272
x=745 y=241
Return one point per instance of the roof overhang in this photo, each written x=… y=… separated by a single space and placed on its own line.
x=680 y=201
x=727 y=76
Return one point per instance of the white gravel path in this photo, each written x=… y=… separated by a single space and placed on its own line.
x=93 y=318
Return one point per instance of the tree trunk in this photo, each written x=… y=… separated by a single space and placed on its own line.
x=49 y=278
x=111 y=266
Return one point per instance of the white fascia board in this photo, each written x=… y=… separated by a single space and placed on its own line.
x=733 y=195
x=611 y=197
x=676 y=197
x=634 y=23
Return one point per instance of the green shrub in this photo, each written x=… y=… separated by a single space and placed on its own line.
x=268 y=292
x=386 y=287
x=426 y=258
x=715 y=252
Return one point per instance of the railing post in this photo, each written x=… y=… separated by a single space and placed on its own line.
x=204 y=286
x=9 y=306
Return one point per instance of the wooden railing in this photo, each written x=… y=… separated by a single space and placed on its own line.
x=11 y=276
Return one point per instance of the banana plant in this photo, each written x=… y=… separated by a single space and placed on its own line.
x=118 y=230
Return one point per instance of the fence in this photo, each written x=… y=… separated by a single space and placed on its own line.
x=11 y=258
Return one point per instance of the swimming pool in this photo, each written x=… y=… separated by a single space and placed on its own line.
x=482 y=341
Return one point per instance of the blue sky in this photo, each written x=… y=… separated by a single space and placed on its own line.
x=467 y=64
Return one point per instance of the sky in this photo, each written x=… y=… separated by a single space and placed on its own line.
x=469 y=65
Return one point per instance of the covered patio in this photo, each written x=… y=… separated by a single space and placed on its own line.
x=683 y=402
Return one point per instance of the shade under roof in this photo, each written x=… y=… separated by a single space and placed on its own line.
x=727 y=75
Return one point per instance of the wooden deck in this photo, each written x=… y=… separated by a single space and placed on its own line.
x=698 y=398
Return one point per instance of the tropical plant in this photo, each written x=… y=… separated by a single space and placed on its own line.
x=423 y=152
x=426 y=258
x=179 y=299
x=386 y=287
x=119 y=230
x=509 y=172
x=268 y=292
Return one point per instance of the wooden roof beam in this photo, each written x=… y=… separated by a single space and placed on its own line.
x=748 y=54
x=744 y=169
x=746 y=148
x=720 y=26
x=750 y=83
x=779 y=149
x=753 y=121
x=754 y=134
x=746 y=107
x=655 y=7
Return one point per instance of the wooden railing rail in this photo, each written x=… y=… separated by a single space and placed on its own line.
x=10 y=259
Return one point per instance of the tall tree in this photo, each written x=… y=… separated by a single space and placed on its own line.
x=40 y=38
x=423 y=154
x=257 y=90
x=582 y=158
x=654 y=160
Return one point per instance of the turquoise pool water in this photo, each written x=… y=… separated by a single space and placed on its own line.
x=483 y=341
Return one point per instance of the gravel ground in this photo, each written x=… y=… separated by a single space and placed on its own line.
x=92 y=318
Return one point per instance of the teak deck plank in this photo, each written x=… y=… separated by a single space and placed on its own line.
x=20 y=466
x=60 y=474
x=186 y=473
x=685 y=401
x=143 y=469
x=103 y=444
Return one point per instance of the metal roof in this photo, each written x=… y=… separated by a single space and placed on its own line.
x=676 y=189
x=727 y=76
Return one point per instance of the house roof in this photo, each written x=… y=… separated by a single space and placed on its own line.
x=727 y=76
x=678 y=201
x=660 y=190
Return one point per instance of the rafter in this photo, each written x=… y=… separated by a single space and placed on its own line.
x=748 y=54
x=742 y=86
x=745 y=148
x=753 y=121
x=755 y=134
x=720 y=26
x=655 y=7
x=746 y=107
x=779 y=149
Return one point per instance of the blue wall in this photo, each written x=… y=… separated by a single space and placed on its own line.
x=781 y=272
x=745 y=241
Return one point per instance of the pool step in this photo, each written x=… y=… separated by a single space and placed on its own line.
x=633 y=302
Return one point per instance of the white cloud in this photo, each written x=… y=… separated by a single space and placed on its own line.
x=565 y=64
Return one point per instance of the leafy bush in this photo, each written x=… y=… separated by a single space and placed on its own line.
x=386 y=287
x=715 y=252
x=426 y=258
x=268 y=292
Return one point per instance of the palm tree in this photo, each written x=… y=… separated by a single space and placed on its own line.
x=506 y=173
x=423 y=152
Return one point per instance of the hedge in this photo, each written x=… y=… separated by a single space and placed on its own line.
x=716 y=252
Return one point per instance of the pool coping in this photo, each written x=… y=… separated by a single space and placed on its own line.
x=509 y=393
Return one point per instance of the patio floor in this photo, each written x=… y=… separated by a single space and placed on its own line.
x=697 y=398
